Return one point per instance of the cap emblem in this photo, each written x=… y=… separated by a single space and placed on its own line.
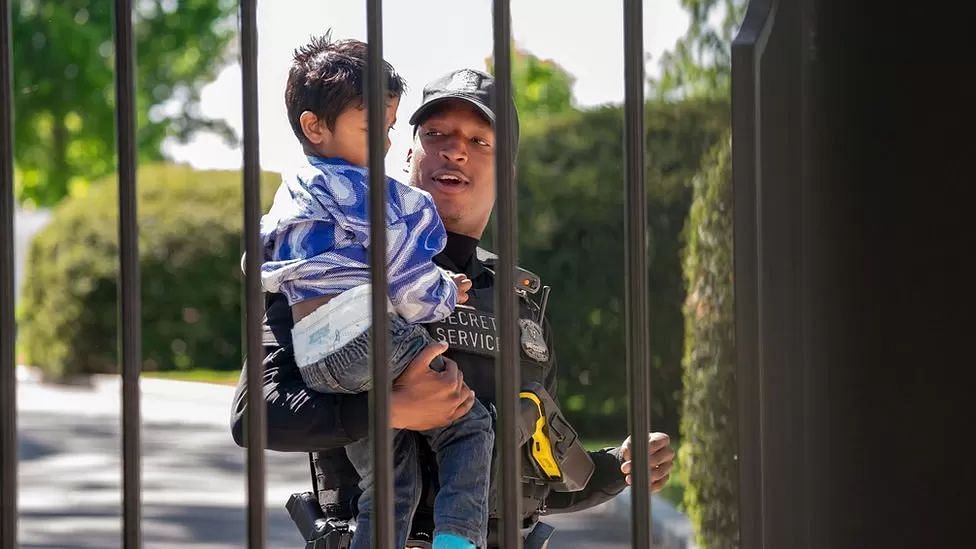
x=466 y=81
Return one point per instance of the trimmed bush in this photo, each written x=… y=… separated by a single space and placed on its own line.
x=708 y=423
x=190 y=245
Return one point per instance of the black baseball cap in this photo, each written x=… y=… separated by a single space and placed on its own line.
x=475 y=87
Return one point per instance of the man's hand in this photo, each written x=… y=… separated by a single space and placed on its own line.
x=660 y=460
x=463 y=284
x=424 y=399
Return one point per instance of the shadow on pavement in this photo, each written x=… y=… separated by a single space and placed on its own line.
x=164 y=526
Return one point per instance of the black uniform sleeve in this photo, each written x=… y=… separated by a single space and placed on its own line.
x=299 y=419
x=607 y=480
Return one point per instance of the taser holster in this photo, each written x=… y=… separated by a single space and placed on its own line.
x=553 y=454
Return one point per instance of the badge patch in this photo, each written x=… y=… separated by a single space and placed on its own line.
x=467 y=329
x=533 y=342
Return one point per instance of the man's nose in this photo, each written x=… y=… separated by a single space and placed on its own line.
x=454 y=149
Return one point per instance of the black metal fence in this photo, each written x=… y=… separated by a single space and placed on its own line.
x=130 y=316
x=8 y=380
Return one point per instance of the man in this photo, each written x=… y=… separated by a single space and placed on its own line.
x=453 y=159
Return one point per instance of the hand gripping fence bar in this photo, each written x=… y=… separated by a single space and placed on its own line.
x=635 y=271
x=130 y=316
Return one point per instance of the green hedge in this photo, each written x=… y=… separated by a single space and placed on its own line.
x=189 y=254
x=571 y=188
x=708 y=423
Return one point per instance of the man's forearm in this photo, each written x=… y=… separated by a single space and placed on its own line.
x=607 y=481
x=302 y=420
x=309 y=421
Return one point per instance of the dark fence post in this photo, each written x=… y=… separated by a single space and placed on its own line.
x=383 y=532
x=130 y=315
x=747 y=49
x=254 y=304
x=8 y=378
x=635 y=271
x=507 y=374
x=853 y=215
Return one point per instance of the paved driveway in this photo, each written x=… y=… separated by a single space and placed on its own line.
x=193 y=474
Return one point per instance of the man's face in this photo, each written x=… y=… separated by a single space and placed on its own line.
x=453 y=159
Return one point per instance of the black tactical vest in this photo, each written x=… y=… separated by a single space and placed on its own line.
x=471 y=334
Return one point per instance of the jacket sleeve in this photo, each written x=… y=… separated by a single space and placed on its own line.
x=420 y=290
x=607 y=480
x=299 y=419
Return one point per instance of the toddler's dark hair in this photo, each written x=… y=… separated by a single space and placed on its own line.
x=326 y=76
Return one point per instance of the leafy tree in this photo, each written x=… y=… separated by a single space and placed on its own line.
x=541 y=87
x=708 y=422
x=699 y=65
x=63 y=62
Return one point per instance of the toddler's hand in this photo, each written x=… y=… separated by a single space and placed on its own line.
x=463 y=284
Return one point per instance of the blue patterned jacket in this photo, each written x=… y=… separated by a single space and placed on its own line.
x=316 y=237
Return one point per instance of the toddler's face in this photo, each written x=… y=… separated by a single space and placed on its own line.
x=348 y=139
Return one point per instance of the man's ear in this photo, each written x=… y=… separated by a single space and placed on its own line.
x=316 y=131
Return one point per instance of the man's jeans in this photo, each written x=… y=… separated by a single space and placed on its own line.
x=463 y=449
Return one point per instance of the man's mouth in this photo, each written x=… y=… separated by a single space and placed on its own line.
x=450 y=180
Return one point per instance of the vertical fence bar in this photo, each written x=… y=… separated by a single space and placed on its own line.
x=747 y=52
x=379 y=418
x=8 y=378
x=507 y=376
x=130 y=324
x=254 y=304
x=635 y=271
